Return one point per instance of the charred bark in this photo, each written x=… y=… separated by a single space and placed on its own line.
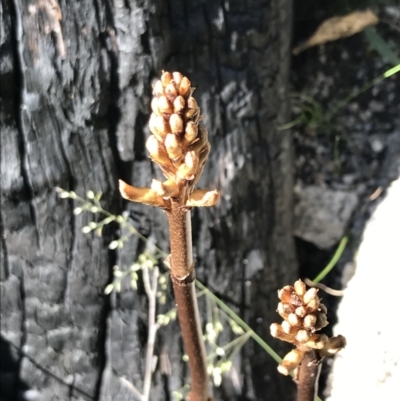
x=75 y=89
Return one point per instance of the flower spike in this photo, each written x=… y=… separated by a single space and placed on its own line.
x=178 y=145
x=303 y=315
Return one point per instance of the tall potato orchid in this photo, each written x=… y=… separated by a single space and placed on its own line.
x=180 y=147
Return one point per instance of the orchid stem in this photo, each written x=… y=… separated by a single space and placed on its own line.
x=182 y=276
x=309 y=370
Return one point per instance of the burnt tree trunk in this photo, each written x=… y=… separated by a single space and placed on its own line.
x=75 y=88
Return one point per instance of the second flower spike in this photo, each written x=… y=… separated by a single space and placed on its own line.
x=303 y=315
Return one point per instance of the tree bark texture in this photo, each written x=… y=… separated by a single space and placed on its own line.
x=75 y=89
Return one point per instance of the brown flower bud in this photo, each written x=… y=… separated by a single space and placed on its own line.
x=177 y=76
x=287 y=327
x=176 y=124
x=197 y=146
x=154 y=106
x=321 y=321
x=300 y=288
x=191 y=131
x=159 y=127
x=301 y=311
x=275 y=329
x=317 y=341
x=173 y=147
x=164 y=105
x=152 y=145
x=309 y=321
x=322 y=309
x=193 y=109
x=310 y=295
x=191 y=159
x=295 y=300
x=187 y=169
x=184 y=86
x=158 y=89
x=179 y=104
x=166 y=78
x=290 y=361
x=157 y=151
x=312 y=306
x=192 y=104
x=285 y=293
x=302 y=336
x=171 y=91
x=284 y=309
x=277 y=332
x=190 y=114
x=294 y=320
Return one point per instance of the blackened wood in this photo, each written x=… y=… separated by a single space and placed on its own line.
x=78 y=121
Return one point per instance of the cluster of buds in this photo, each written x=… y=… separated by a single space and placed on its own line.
x=303 y=314
x=178 y=144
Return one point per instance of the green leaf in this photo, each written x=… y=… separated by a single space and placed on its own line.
x=381 y=46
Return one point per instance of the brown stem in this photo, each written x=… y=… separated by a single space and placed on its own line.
x=180 y=233
x=307 y=379
x=182 y=275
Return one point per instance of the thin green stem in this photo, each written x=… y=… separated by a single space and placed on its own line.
x=339 y=251
x=240 y=340
x=291 y=124
x=150 y=286
x=240 y=322
x=364 y=88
